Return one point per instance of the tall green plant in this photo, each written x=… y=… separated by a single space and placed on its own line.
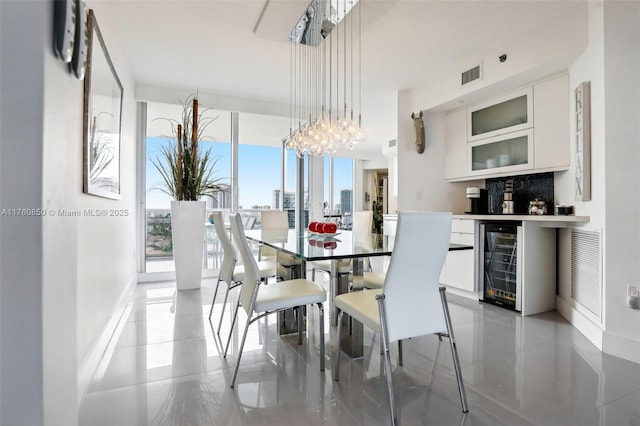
x=187 y=169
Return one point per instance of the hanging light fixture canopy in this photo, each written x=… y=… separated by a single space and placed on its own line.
x=322 y=79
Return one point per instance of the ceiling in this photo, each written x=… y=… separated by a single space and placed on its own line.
x=211 y=46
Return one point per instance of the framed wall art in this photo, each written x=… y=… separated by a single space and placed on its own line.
x=102 y=118
x=583 y=142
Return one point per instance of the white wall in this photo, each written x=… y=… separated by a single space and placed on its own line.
x=21 y=180
x=622 y=136
x=612 y=69
x=62 y=277
x=421 y=181
x=106 y=246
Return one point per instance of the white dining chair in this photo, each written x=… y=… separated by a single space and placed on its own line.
x=259 y=300
x=275 y=220
x=411 y=302
x=230 y=272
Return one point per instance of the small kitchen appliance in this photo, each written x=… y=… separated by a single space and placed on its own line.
x=507 y=204
x=478 y=200
x=537 y=207
x=564 y=210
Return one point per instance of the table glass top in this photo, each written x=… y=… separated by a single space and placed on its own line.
x=345 y=244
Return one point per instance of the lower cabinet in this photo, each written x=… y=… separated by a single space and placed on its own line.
x=458 y=270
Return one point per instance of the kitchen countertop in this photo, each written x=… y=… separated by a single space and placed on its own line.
x=515 y=217
x=524 y=217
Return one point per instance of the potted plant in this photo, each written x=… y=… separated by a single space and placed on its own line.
x=187 y=172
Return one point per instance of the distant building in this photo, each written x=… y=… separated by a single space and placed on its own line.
x=275 y=202
x=289 y=201
x=346 y=196
x=219 y=199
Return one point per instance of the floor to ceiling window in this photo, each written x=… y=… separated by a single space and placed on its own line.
x=290 y=203
x=158 y=250
x=259 y=164
x=338 y=190
x=259 y=179
x=265 y=178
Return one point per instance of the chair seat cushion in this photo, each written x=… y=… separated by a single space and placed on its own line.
x=373 y=279
x=362 y=306
x=288 y=294
x=344 y=266
x=266 y=268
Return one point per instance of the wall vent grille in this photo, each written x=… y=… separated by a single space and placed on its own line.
x=586 y=269
x=392 y=143
x=471 y=75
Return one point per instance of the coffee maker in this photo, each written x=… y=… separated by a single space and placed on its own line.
x=478 y=200
x=508 y=203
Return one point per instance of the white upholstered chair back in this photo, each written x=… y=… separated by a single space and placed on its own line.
x=412 y=300
x=248 y=290
x=229 y=252
x=274 y=219
x=362 y=228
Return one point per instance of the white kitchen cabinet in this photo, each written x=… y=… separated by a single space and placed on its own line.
x=551 y=124
x=456 y=144
x=504 y=153
x=524 y=131
x=458 y=272
x=505 y=114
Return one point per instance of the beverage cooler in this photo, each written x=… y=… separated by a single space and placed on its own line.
x=500 y=271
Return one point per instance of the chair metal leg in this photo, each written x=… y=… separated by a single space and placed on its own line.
x=213 y=302
x=336 y=357
x=300 y=326
x=313 y=274
x=454 y=351
x=400 y=357
x=321 y=309
x=387 y=359
x=233 y=322
x=226 y=297
x=244 y=338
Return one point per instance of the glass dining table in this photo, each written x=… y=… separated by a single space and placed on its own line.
x=343 y=245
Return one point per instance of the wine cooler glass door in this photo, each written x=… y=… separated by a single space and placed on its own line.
x=501 y=277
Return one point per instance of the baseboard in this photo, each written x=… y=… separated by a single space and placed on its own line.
x=584 y=325
x=622 y=346
x=92 y=361
x=458 y=292
x=154 y=277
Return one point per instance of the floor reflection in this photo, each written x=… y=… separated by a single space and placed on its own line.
x=165 y=366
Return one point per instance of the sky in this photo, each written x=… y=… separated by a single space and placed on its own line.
x=258 y=169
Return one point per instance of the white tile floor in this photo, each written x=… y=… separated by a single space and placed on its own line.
x=166 y=367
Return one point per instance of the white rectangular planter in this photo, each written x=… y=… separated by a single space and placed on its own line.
x=187 y=231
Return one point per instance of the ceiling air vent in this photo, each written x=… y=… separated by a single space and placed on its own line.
x=471 y=75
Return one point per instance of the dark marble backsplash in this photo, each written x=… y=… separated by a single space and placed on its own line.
x=525 y=188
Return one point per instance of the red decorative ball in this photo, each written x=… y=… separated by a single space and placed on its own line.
x=330 y=244
x=330 y=228
x=313 y=226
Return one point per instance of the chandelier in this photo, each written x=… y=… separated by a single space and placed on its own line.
x=322 y=80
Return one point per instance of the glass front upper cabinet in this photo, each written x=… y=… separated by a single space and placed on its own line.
x=504 y=153
x=509 y=113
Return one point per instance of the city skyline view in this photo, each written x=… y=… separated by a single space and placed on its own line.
x=258 y=173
